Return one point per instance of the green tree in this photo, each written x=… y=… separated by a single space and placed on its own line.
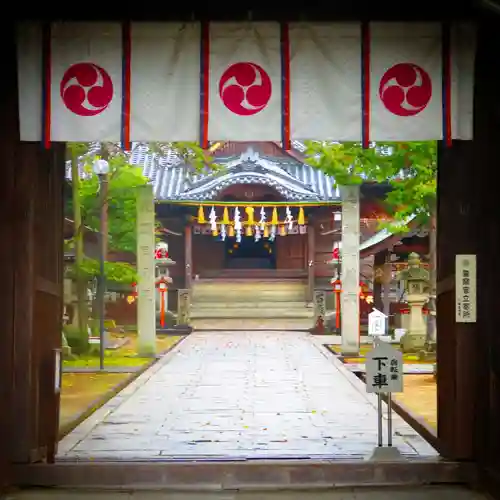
x=123 y=179
x=409 y=169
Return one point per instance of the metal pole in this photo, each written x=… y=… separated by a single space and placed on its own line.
x=380 y=420
x=102 y=279
x=389 y=419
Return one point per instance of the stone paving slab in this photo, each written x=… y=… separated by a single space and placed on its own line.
x=422 y=493
x=240 y=394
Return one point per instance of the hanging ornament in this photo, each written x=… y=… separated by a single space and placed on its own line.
x=301 y=219
x=230 y=231
x=257 y=233
x=237 y=224
x=249 y=211
x=223 y=232
x=262 y=221
x=215 y=232
x=212 y=217
x=248 y=231
x=273 y=233
x=274 y=219
x=225 y=216
x=282 y=230
x=288 y=218
x=237 y=219
x=266 y=231
x=201 y=216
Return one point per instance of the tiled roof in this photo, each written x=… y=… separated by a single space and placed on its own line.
x=173 y=179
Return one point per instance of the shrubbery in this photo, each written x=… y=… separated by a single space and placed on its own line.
x=78 y=340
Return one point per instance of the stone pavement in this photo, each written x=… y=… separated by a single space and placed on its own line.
x=422 y=493
x=240 y=394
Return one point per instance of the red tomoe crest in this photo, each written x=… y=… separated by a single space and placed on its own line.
x=86 y=89
x=405 y=89
x=245 y=88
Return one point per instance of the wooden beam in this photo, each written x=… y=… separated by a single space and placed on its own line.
x=188 y=255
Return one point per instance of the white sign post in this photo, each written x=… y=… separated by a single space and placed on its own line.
x=377 y=323
x=384 y=375
x=465 y=288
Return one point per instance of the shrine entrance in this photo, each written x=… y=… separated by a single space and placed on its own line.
x=249 y=253
x=31 y=266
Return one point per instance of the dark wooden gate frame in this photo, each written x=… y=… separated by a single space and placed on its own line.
x=31 y=203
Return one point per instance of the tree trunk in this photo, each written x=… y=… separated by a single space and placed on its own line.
x=81 y=283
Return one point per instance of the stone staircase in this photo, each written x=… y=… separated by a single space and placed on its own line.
x=250 y=304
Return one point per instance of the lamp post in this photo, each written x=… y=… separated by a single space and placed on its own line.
x=101 y=169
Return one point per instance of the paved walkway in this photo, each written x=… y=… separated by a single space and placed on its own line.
x=236 y=394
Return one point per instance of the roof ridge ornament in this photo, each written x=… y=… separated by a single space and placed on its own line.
x=250 y=155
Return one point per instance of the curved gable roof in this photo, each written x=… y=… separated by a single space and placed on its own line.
x=175 y=180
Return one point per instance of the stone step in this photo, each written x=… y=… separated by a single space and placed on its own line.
x=245 y=313
x=223 y=479
x=250 y=295
x=247 y=284
x=249 y=324
x=245 y=304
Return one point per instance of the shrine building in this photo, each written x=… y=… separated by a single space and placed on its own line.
x=265 y=217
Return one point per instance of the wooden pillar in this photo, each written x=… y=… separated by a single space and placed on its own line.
x=188 y=257
x=31 y=264
x=457 y=343
x=8 y=146
x=468 y=354
x=378 y=263
x=483 y=172
x=311 y=253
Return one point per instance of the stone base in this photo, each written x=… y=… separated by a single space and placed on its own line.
x=411 y=342
x=386 y=454
x=175 y=330
x=427 y=356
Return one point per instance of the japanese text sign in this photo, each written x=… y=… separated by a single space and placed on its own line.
x=465 y=288
x=376 y=323
x=384 y=369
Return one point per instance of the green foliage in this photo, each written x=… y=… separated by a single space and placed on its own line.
x=117 y=272
x=123 y=180
x=409 y=169
x=77 y=339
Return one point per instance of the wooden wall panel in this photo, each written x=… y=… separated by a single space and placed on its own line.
x=291 y=251
x=208 y=254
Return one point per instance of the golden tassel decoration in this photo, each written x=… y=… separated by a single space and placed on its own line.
x=274 y=219
x=301 y=219
x=283 y=230
x=225 y=216
x=249 y=212
x=230 y=231
x=215 y=232
x=266 y=231
x=248 y=231
x=201 y=216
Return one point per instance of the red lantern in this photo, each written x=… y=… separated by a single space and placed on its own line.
x=162 y=285
x=337 y=290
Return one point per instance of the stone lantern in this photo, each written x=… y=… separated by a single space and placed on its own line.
x=162 y=264
x=416 y=281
